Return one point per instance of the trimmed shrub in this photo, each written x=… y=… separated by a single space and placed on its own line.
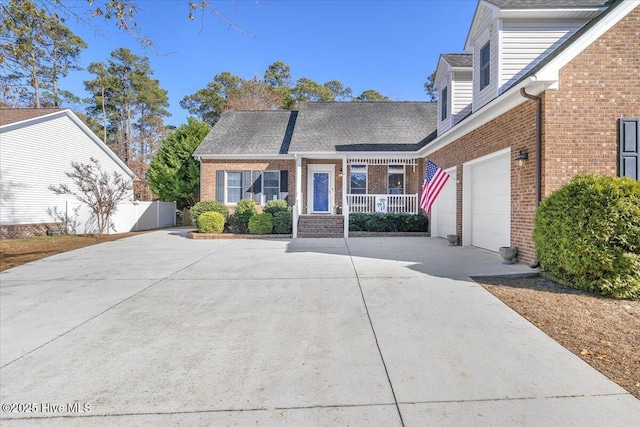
x=283 y=222
x=261 y=224
x=245 y=209
x=389 y=222
x=211 y=222
x=588 y=234
x=208 y=206
x=274 y=206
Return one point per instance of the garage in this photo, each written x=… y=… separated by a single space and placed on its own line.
x=487 y=201
x=444 y=208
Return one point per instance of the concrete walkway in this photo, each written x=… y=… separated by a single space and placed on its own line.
x=157 y=329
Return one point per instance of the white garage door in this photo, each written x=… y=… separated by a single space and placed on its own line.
x=489 y=199
x=445 y=208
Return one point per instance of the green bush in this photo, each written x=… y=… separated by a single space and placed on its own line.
x=261 y=224
x=245 y=209
x=588 y=233
x=389 y=222
x=275 y=206
x=283 y=222
x=208 y=206
x=211 y=222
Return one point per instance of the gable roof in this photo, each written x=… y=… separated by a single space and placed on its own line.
x=364 y=126
x=17 y=118
x=14 y=115
x=250 y=133
x=462 y=60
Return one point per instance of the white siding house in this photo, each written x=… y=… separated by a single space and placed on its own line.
x=517 y=38
x=454 y=84
x=36 y=152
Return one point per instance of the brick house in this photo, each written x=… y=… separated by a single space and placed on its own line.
x=322 y=157
x=545 y=89
x=554 y=84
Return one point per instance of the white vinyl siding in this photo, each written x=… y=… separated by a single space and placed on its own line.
x=461 y=95
x=526 y=43
x=443 y=80
x=488 y=34
x=36 y=155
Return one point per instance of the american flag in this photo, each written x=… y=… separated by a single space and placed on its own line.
x=434 y=179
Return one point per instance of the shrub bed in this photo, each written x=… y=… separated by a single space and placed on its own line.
x=261 y=224
x=389 y=222
x=211 y=222
x=588 y=233
x=275 y=206
x=208 y=206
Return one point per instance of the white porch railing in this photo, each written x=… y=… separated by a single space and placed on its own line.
x=391 y=203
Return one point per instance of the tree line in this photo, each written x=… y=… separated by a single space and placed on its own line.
x=124 y=104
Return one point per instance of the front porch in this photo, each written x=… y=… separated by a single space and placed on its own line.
x=328 y=190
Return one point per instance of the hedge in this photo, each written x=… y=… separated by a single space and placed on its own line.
x=588 y=233
x=283 y=222
x=275 y=206
x=388 y=222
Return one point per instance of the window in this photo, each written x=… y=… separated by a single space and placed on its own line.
x=395 y=179
x=238 y=186
x=358 y=179
x=262 y=186
x=443 y=103
x=485 y=65
x=271 y=185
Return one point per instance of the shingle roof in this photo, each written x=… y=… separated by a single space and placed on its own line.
x=249 y=132
x=364 y=126
x=15 y=115
x=547 y=4
x=459 y=59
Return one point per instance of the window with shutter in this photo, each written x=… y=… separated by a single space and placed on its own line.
x=629 y=144
x=284 y=184
x=220 y=186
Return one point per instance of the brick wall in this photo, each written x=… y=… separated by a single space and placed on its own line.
x=598 y=87
x=515 y=129
x=208 y=170
x=21 y=231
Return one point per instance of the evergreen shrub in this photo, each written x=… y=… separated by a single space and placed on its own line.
x=283 y=222
x=211 y=222
x=388 y=222
x=261 y=223
x=587 y=233
x=245 y=209
x=274 y=206
x=208 y=206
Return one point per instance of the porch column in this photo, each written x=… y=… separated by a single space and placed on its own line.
x=297 y=206
x=345 y=206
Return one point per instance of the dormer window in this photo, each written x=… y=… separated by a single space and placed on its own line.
x=443 y=103
x=485 y=65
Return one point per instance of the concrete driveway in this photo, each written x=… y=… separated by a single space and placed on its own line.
x=157 y=329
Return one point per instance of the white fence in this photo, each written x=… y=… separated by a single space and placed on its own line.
x=130 y=216
x=387 y=203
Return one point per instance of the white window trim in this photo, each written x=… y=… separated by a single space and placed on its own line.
x=488 y=66
x=366 y=171
x=226 y=187
x=263 y=200
x=404 y=179
x=444 y=110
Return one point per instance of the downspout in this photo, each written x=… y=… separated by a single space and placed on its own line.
x=538 y=100
x=538 y=143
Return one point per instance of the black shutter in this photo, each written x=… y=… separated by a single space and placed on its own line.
x=629 y=153
x=257 y=187
x=246 y=184
x=220 y=186
x=284 y=184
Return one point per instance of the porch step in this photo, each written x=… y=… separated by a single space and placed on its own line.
x=321 y=226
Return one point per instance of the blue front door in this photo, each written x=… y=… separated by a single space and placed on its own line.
x=320 y=191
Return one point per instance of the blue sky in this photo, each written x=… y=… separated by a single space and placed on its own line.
x=389 y=46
